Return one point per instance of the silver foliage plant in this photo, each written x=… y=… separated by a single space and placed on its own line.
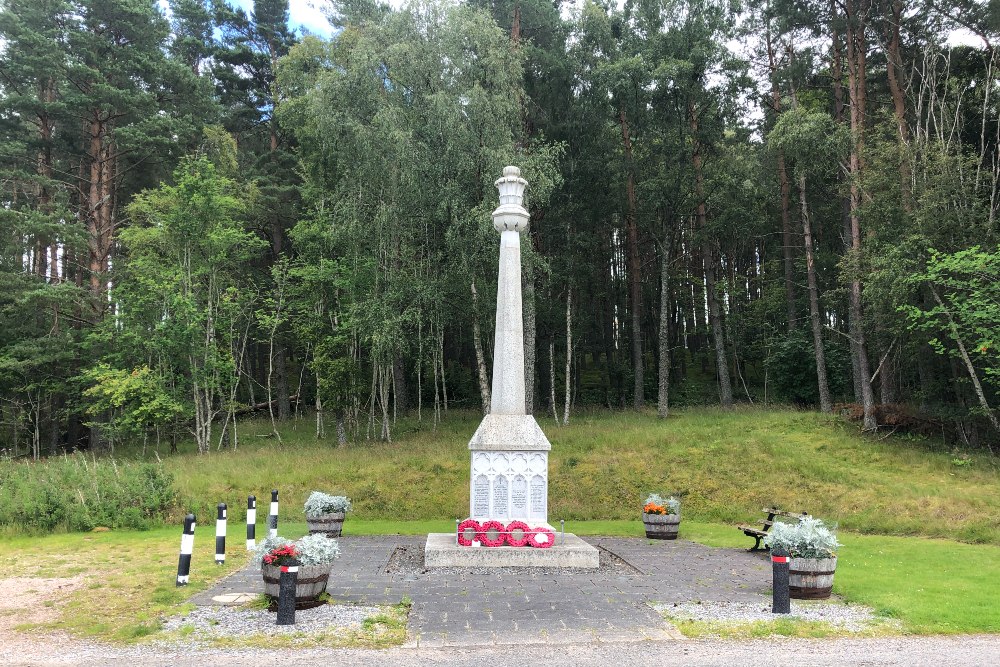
x=672 y=504
x=809 y=538
x=319 y=503
x=317 y=549
x=314 y=549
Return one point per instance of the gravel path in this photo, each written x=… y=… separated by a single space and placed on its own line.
x=853 y=618
x=961 y=651
x=209 y=622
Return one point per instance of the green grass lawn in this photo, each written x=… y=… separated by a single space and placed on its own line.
x=725 y=465
x=931 y=586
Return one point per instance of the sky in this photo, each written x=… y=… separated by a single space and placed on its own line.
x=307 y=14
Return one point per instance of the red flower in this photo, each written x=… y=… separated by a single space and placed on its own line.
x=525 y=533
x=542 y=538
x=468 y=530
x=281 y=555
x=489 y=529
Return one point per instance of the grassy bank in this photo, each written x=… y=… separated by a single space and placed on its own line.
x=726 y=466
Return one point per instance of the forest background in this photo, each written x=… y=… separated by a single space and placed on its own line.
x=206 y=214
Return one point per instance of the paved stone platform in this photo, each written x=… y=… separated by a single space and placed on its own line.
x=442 y=550
x=470 y=607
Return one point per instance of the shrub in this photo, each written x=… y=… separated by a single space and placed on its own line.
x=319 y=503
x=76 y=493
x=808 y=538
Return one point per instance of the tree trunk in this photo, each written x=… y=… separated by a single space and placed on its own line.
x=973 y=376
x=837 y=71
x=98 y=213
x=708 y=252
x=663 y=378
x=399 y=390
x=552 y=379
x=786 y=206
x=634 y=281
x=477 y=340
x=529 y=342
x=894 y=66
x=856 y=57
x=825 y=402
x=281 y=381
x=569 y=352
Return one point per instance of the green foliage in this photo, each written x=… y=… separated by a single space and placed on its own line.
x=967 y=282
x=134 y=402
x=791 y=367
x=74 y=493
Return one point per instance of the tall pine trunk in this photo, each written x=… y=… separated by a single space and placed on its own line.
x=710 y=259
x=663 y=377
x=856 y=73
x=825 y=402
x=634 y=280
x=477 y=341
x=786 y=205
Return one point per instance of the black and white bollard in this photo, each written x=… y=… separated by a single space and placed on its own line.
x=251 y=523
x=779 y=582
x=286 y=593
x=187 y=546
x=220 y=535
x=272 y=517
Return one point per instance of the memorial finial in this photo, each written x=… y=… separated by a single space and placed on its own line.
x=510 y=216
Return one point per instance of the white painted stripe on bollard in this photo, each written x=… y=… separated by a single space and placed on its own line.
x=251 y=521
x=220 y=534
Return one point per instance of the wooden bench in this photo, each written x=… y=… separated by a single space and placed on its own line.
x=760 y=533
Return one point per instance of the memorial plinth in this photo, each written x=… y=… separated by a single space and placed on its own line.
x=509 y=453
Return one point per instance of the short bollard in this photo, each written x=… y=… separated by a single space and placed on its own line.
x=562 y=528
x=272 y=517
x=187 y=546
x=779 y=582
x=220 y=535
x=286 y=593
x=457 y=534
x=251 y=523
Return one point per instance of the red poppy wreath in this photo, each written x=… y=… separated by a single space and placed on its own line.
x=467 y=531
x=518 y=533
x=492 y=534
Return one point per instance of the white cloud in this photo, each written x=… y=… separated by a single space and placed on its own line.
x=309 y=14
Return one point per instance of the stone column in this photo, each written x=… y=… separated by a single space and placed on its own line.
x=509 y=452
x=510 y=219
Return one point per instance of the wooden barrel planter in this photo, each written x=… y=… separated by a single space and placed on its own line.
x=311 y=582
x=331 y=525
x=811 y=578
x=661 y=526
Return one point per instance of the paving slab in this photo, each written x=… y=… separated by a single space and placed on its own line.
x=491 y=606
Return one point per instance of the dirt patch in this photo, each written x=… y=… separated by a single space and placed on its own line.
x=34 y=600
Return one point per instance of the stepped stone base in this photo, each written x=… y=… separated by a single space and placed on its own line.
x=442 y=551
